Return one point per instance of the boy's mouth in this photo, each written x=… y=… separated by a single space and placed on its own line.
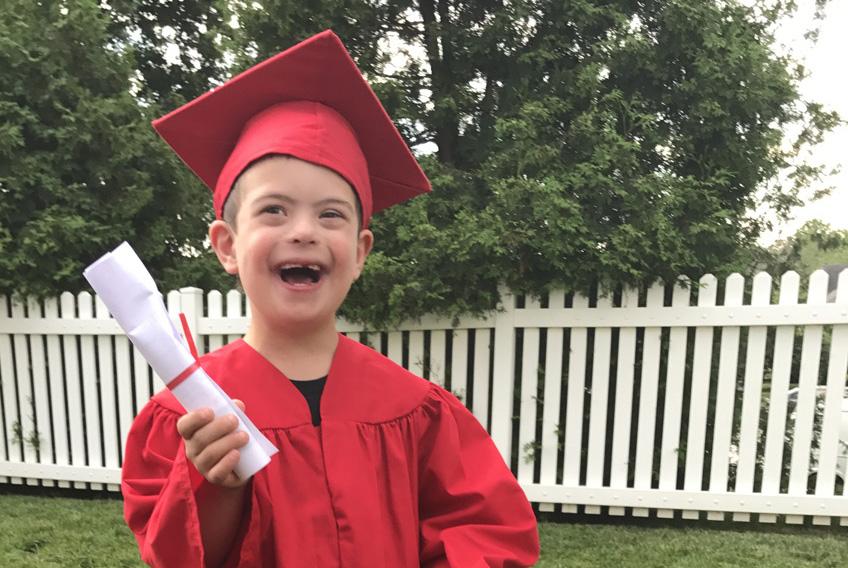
x=300 y=274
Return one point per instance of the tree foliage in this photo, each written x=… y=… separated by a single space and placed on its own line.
x=80 y=168
x=589 y=142
x=149 y=27
x=815 y=246
x=568 y=142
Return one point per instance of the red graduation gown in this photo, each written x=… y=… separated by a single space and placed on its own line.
x=398 y=474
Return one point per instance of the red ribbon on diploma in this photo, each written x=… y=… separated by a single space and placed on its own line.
x=173 y=383
x=187 y=372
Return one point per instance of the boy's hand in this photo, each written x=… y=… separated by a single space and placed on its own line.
x=211 y=444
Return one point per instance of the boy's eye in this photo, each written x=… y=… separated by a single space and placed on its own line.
x=273 y=209
x=332 y=214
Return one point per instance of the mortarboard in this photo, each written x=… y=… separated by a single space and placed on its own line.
x=310 y=102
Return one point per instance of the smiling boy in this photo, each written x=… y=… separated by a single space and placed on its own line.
x=376 y=467
x=301 y=246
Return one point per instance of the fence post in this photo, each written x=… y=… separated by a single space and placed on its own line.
x=191 y=303
x=503 y=383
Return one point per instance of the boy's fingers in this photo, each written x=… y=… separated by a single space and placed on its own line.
x=191 y=422
x=211 y=455
x=209 y=433
x=222 y=472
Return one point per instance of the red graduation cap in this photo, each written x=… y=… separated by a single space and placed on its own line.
x=310 y=102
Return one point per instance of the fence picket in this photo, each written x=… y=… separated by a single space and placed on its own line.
x=752 y=395
x=648 y=393
x=395 y=352
x=26 y=404
x=437 y=370
x=805 y=408
x=106 y=382
x=784 y=340
x=459 y=365
x=70 y=344
x=725 y=393
x=620 y=459
x=552 y=400
x=503 y=376
x=55 y=374
x=480 y=402
x=215 y=309
x=91 y=404
x=416 y=352
x=699 y=397
x=835 y=391
x=572 y=446
x=673 y=408
x=234 y=304
x=527 y=449
x=10 y=395
x=42 y=432
x=123 y=382
x=598 y=405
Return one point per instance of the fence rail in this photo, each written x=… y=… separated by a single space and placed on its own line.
x=707 y=399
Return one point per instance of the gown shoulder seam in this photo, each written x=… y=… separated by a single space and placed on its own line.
x=428 y=399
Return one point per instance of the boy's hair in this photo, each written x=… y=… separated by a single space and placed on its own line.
x=233 y=202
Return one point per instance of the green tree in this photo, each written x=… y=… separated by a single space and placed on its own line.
x=190 y=30
x=583 y=142
x=569 y=142
x=814 y=246
x=80 y=168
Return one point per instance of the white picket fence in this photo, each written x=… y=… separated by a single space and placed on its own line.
x=675 y=399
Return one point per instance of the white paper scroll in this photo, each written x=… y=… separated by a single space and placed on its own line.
x=126 y=287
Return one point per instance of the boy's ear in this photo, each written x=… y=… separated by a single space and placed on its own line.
x=363 y=247
x=222 y=238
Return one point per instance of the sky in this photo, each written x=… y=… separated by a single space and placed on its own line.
x=827 y=83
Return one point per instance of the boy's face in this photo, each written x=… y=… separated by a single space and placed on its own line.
x=296 y=245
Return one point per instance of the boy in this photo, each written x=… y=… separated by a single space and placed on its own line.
x=376 y=467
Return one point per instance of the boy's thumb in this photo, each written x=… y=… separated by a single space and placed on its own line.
x=239 y=403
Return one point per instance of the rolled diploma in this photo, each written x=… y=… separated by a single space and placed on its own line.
x=128 y=290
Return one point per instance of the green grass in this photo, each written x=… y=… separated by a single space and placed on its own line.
x=617 y=546
x=59 y=531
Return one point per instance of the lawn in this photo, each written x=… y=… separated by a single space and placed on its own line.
x=594 y=545
x=60 y=531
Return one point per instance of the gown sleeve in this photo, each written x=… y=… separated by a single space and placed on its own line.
x=158 y=484
x=472 y=511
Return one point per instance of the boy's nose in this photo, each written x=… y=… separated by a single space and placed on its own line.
x=302 y=229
